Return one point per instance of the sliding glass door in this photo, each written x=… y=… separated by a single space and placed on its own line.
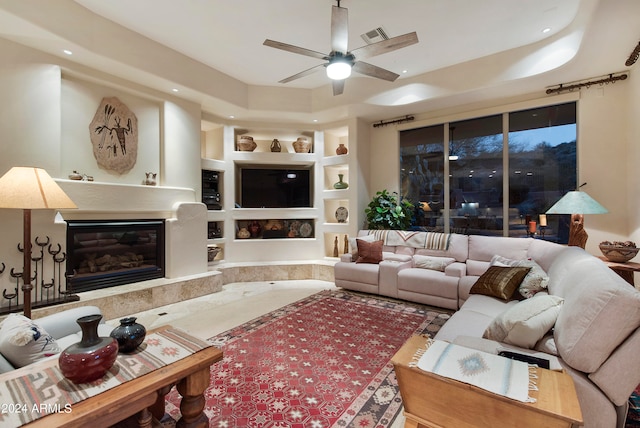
x=493 y=175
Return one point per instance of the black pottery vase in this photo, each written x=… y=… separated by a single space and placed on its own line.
x=90 y=358
x=129 y=334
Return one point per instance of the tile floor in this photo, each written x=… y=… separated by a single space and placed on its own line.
x=237 y=303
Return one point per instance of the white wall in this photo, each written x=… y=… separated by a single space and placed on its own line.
x=80 y=100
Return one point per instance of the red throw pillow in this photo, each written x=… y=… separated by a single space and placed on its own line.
x=369 y=252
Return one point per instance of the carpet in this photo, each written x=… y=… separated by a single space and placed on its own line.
x=633 y=417
x=322 y=361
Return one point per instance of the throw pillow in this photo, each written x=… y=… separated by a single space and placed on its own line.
x=432 y=262
x=353 y=243
x=499 y=281
x=535 y=281
x=369 y=252
x=526 y=322
x=23 y=342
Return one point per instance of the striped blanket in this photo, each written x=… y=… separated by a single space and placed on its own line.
x=39 y=389
x=415 y=239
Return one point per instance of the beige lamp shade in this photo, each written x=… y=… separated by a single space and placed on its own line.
x=32 y=188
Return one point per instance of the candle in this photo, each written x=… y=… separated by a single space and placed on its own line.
x=543 y=220
x=532 y=227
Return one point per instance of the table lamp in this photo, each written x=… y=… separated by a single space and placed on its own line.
x=577 y=203
x=29 y=188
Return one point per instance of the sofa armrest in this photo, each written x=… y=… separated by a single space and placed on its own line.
x=347 y=258
x=64 y=323
x=456 y=269
x=5 y=365
x=388 y=277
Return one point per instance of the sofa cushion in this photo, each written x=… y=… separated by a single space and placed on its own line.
x=23 y=342
x=432 y=262
x=535 y=281
x=369 y=252
x=485 y=247
x=525 y=323
x=599 y=313
x=499 y=281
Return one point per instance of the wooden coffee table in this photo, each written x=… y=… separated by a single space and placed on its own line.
x=434 y=401
x=144 y=396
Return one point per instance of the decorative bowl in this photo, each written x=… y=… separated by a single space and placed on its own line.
x=302 y=145
x=619 y=252
x=246 y=144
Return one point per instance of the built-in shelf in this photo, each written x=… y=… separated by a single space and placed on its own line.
x=220 y=153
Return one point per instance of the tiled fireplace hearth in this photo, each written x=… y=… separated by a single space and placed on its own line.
x=107 y=253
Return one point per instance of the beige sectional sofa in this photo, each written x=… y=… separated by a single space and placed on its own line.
x=594 y=334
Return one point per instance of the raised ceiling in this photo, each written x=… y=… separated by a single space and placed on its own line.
x=212 y=52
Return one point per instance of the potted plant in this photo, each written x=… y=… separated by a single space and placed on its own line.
x=389 y=211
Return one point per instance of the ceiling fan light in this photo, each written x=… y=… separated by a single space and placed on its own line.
x=338 y=70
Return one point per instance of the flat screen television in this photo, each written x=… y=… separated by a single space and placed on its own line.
x=275 y=187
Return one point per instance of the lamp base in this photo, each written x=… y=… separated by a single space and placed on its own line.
x=577 y=235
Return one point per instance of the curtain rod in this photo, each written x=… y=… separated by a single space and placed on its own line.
x=407 y=118
x=573 y=86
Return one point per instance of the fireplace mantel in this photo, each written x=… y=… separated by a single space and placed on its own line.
x=114 y=200
x=185 y=215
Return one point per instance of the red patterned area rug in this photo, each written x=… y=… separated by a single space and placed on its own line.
x=322 y=361
x=633 y=417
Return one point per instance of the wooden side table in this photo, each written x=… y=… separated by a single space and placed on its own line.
x=625 y=270
x=434 y=401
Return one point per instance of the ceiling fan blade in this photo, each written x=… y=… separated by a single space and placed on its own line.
x=339 y=29
x=302 y=73
x=338 y=86
x=385 y=46
x=374 y=71
x=295 y=49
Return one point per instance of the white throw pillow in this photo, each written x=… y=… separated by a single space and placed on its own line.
x=526 y=322
x=23 y=342
x=535 y=281
x=432 y=262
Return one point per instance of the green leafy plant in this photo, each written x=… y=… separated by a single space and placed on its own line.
x=388 y=211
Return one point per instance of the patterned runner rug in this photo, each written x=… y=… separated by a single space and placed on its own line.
x=322 y=361
x=42 y=389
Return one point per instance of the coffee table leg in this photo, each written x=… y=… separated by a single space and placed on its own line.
x=192 y=405
x=145 y=419
x=158 y=410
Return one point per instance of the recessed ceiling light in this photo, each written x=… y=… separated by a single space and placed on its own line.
x=546 y=30
x=68 y=52
x=175 y=90
x=232 y=116
x=405 y=71
x=315 y=120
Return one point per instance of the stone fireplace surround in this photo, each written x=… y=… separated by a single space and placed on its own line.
x=187 y=274
x=124 y=300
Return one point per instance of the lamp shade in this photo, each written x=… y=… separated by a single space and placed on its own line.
x=577 y=202
x=32 y=188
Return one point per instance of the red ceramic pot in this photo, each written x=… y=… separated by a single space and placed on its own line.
x=92 y=357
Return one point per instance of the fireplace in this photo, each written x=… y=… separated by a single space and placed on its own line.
x=106 y=253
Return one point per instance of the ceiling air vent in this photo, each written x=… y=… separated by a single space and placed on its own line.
x=374 y=36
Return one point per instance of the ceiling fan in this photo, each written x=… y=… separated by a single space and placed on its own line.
x=340 y=62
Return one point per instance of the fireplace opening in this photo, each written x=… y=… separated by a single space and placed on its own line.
x=113 y=252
